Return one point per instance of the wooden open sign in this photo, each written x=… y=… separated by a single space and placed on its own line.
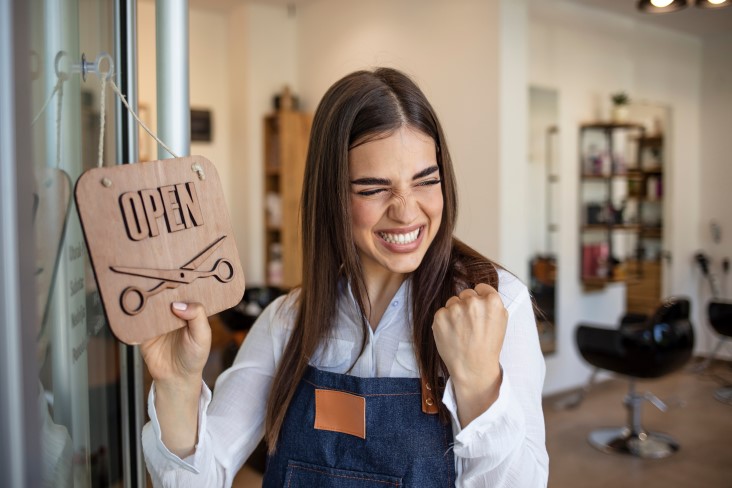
x=157 y=233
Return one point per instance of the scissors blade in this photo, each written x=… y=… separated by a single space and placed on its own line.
x=196 y=262
x=170 y=275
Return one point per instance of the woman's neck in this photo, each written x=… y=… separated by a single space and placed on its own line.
x=381 y=288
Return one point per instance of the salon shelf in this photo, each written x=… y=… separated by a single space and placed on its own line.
x=655 y=232
x=594 y=283
x=286 y=135
x=630 y=172
x=610 y=227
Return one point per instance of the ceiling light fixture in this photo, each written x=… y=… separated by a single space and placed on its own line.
x=661 y=6
x=713 y=3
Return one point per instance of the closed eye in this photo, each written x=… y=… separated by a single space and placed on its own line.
x=368 y=193
x=435 y=181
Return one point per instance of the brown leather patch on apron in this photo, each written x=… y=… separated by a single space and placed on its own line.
x=339 y=411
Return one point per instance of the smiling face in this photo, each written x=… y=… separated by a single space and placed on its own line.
x=396 y=200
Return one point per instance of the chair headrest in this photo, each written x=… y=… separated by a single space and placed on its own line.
x=720 y=316
x=672 y=309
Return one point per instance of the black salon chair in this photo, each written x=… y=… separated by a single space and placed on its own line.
x=245 y=313
x=639 y=350
x=720 y=318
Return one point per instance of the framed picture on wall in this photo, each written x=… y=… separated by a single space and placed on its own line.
x=201 y=125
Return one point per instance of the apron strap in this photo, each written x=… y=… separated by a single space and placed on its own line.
x=429 y=404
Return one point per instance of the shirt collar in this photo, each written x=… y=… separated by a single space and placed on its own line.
x=400 y=300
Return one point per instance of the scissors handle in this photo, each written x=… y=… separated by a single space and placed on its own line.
x=133 y=299
x=223 y=270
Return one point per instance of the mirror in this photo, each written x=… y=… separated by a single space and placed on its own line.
x=543 y=223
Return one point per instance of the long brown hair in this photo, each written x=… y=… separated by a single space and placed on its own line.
x=360 y=106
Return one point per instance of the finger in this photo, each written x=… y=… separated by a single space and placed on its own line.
x=467 y=293
x=195 y=315
x=484 y=289
x=452 y=301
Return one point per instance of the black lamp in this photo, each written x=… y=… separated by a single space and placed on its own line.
x=660 y=6
x=713 y=3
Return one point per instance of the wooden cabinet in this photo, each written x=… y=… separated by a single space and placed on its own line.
x=621 y=194
x=286 y=134
x=644 y=292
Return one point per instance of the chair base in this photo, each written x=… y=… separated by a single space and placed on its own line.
x=647 y=445
x=724 y=395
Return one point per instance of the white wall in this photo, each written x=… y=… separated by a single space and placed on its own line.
x=146 y=73
x=516 y=202
x=451 y=50
x=587 y=54
x=715 y=167
x=262 y=60
x=210 y=89
x=238 y=60
x=209 y=81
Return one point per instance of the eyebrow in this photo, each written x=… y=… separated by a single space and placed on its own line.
x=385 y=181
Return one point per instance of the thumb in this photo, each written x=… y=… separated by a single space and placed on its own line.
x=195 y=315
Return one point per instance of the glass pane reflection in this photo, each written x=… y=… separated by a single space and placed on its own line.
x=79 y=381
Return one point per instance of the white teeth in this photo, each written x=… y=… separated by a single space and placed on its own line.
x=407 y=238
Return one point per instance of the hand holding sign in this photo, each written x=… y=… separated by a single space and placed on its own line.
x=141 y=223
x=178 y=357
x=175 y=361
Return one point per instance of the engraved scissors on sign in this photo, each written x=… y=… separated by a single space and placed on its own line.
x=132 y=300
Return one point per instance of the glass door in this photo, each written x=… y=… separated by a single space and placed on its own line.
x=87 y=406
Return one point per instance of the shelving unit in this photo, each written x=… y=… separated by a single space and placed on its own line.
x=643 y=293
x=613 y=181
x=286 y=134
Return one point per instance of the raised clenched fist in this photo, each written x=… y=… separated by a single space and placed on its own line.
x=469 y=332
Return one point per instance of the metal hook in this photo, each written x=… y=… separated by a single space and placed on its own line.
x=94 y=66
x=85 y=66
x=60 y=74
x=98 y=65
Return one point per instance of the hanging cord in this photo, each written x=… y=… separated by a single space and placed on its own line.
x=106 y=77
x=61 y=77
x=102 y=110
x=142 y=124
x=57 y=87
x=59 y=105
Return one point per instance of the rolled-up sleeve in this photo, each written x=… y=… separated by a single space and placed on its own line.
x=158 y=454
x=505 y=445
x=231 y=422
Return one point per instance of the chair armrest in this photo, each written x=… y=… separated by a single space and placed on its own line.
x=598 y=339
x=600 y=346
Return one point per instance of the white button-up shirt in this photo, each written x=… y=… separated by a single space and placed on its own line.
x=503 y=447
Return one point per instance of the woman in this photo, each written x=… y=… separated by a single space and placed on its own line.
x=405 y=357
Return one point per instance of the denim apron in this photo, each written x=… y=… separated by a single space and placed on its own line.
x=404 y=447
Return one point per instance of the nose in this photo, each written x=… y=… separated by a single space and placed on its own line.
x=403 y=207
